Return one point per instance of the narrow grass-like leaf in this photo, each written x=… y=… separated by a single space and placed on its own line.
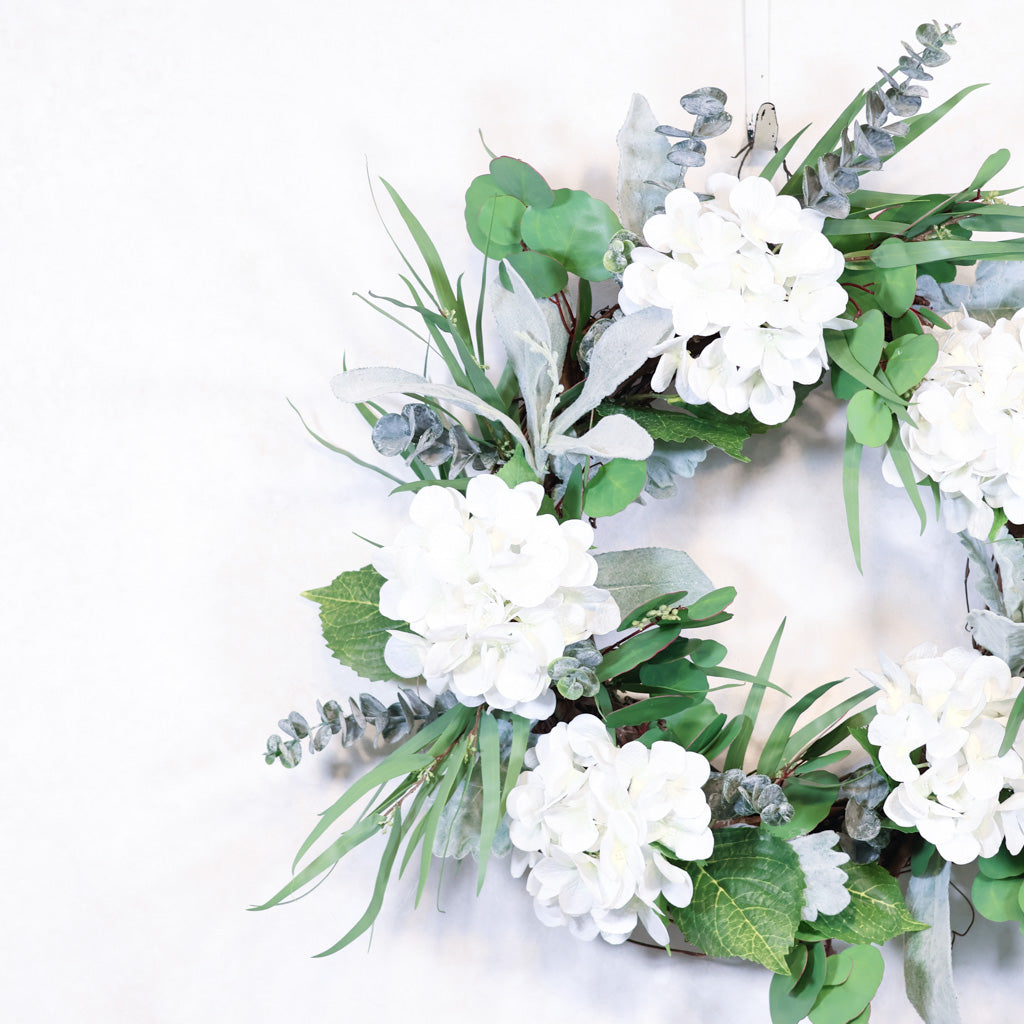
x=454 y=770
x=520 y=739
x=840 y=733
x=460 y=483
x=920 y=123
x=852 y=452
x=806 y=734
x=901 y=460
x=738 y=748
x=346 y=842
x=414 y=835
x=726 y=736
x=651 y=710
x=771 y=756
x=769 y=169
x=1013 y=722
x=387 y=861
x=828 y=142
x=490 y=774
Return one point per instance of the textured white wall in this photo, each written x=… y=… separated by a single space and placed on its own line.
x=185 y=216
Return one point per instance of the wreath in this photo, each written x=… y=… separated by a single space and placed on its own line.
x=555 y=704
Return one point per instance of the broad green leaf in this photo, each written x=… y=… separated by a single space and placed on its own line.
x=544 y=275
x=711 y=604
x=651 y=710
x=845 y=1002
x=790 y=999
x=499 y=219
x=876 y=912
x=639 y=575
x=997 y=899
x=812 y=795
x=353 y=626
x=868 y=339
x=870 y=419
x=517 y=471
x=746 y=898
x=908 y=359
x=575 y=230
x=615 y=486
x=483 y=189
x=840 y=354
x=895 y=288
x=519 y=179
x=636 y=651
x=1002 y=864
x=677 y=427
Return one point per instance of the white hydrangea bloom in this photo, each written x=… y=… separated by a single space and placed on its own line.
x=750 y=269
x=954 y=706
x=583 y=821
x=493 y=593
x=968 y=424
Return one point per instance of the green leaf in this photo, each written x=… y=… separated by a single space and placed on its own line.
x=353 y=626
x=895 y=289
x=636 y=650
x=812 y=795
x=790 y=999
x=639 y=575
x=517 y=471
x=517 y=751
x=901 y=460
x=460 y=483
x=572 y=500
x=746 y=898
x=868 y=339
x=499 y=219
x=614 y=487
x=481 y=190
x=839 y=352
x=545 y=276
x=860 y=970
x=870 y=419
x=387 y=861
x=997 y=899
x=902 y=254
x=769 y=169
x=876 y=912
x=490 y=777
x=449 y=773
x=920 y=123
x=771 y=755
x=677 y=427
x=519 y=179
x=908 y=359
x=651 y=710
x=752 y=706
x=809 y=732
x=1002 y=864
x=575 y=230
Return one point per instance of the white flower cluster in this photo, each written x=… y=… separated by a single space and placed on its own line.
x=968 y=432
x=753 y=270
x=955 y=707
x=493 y=593
x=583 y=821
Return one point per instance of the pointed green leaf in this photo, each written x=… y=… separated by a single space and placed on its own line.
x=876 y=912
x=746 y=898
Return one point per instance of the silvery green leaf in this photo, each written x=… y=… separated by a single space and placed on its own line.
x=396 y=727
x=998 y=291
x=880 y=141
x=903 y=102
x=868 y=787
x=458 y=830
x=927 y=956
x=832 y=205
x=357 y=715
x=875 y=108
x=860 y=822
x=984 y=578
x=1009 y=555
x=911 y=67
x=713 y=126
x=464 y=448
x=290 y=753
x=825 y=889
x=418 y=708
x=433 y=451
x=928 y=34
x=584 y=652
x=273 y=744
x=422 y=420
x=617 y=353
x=642 y=153
x=639 y=575
x=777 y=813
x=562 y=667
x=673 y=133
x=863 y=144
x=812 y=186
x=732 y=779
x=374 y=711
x=320 y=738
x=534 y=353
x=688 y=153
x=372 y=382
x=614 y=437
x=391 y=434
x=704 y=102
x=329 y=712
x=1000 y=636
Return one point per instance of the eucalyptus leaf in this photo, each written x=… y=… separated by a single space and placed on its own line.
x=575 y=230
x=615 y=486
x=870 y=419
x=519 y=179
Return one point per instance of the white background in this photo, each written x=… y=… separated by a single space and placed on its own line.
x=185 y=216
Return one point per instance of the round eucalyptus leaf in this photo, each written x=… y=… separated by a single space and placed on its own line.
x=713 y=126
x=870 y=419
x=391 y=434
x=675 y=133
x=482 y=189
x=704 y=102
x=543 y=275
x=574 y=231
x=903 y=104
x=614 y=486
x=499 y=219
x=998 y=899
x=909 y=359
x=1002 y=864
x=688 y=153
x=519 y=179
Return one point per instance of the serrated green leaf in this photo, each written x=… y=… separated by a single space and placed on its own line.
x=876 y=912
x=353 y=626
x=615 y=486
x=746 y=898
x=575 y=230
